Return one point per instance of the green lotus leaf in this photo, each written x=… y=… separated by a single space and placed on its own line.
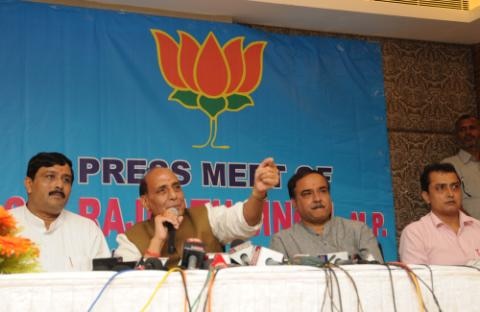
x=238 y=102
x=185 y=97
x=212 y=106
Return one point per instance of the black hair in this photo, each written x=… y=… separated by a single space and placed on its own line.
x=302 y=172
x=142 y=189
x=435 y=167
x=462 y=118
x=47 y=159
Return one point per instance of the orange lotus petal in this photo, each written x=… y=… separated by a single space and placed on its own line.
x=189 y=48
x=234 y=55
x=211 y=70
x=167 y=54
x=253 y=66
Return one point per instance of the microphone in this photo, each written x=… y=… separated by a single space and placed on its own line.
x=264 y=256
x=304 y=259
x=336 y=258
x=171 y=231
x=368 y=259
x=339 y=257
x=193 y=254
x=150 y=264
x=219 y=261
x=242 y=253
x=216 y=260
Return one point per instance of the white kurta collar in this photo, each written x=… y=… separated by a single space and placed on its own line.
x=39 y=224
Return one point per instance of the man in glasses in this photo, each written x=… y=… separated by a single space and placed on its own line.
x=319 y=232
x=467 y=162
x=445 y=236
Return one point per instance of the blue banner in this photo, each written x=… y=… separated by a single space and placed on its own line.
x=119 y=92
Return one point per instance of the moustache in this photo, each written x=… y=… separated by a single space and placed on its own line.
x=57 y=193
x=318 y=206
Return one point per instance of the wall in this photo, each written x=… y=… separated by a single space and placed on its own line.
x=476 y=69
x=427 y=86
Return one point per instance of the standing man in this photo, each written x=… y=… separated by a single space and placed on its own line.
x=467 y=162
x=445 y=235
x=67 y=241
x=318 y=232
x=161 y=193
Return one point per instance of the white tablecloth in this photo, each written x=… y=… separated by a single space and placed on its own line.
x=274 y=288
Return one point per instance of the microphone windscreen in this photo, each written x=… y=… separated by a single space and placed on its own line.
x=193 y=254
x=264 y=256
x=172 y=210
x=153 y=264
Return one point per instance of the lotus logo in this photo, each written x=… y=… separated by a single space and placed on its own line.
x=209 y=77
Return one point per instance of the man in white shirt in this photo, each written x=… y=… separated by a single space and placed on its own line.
x=67 y=241
x=467 y=162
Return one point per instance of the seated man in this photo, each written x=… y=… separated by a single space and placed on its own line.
x=445 y=235
x=318 y=232
x=162 y=194
x=67 y=241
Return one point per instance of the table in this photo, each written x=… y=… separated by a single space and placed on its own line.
x=271 y=288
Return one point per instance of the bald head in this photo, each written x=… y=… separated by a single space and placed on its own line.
x=160 y=190
x=143 y=188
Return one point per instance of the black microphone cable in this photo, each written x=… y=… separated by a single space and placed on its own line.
x=184 y=284
x=338 y=286
x=354 y=284
x=435 y=299
x=431 y=290
x=391 y=286
x=200 y=293
x=208 y=282
x=431 y=276
x=414 y=278
x=326 y=289
x=329 y=272
x=468 y=266
x=411 y=272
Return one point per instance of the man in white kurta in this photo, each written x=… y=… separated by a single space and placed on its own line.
x=67 y=241
x=69 y=244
